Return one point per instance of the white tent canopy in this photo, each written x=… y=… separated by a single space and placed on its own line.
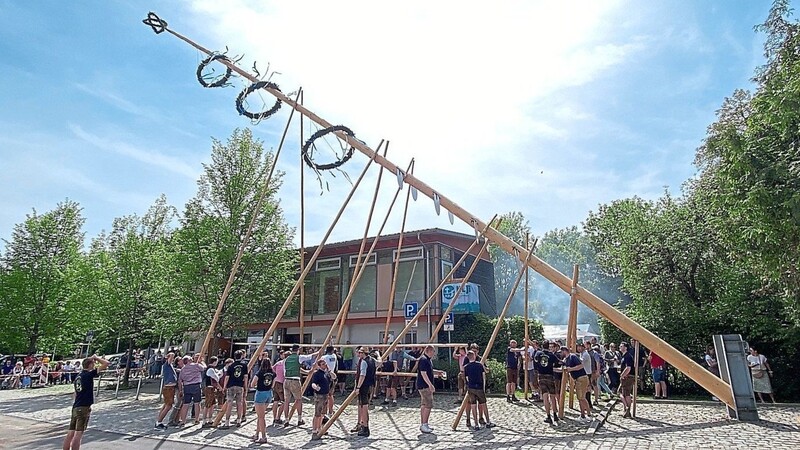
x=559 y=332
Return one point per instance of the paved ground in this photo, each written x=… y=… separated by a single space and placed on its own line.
x=37 y=419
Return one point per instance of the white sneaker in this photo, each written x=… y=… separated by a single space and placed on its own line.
x=425 y=428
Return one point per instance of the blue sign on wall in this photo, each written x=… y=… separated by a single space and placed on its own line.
x=467 y=302
x=411 y=309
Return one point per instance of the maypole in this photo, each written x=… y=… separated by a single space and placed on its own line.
x=693 y=370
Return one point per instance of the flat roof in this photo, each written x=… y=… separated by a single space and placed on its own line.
x=395 y=236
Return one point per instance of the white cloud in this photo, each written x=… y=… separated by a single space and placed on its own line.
x=147 y=156
x=454 y=84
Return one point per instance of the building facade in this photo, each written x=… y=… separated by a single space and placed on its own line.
x=424 y=259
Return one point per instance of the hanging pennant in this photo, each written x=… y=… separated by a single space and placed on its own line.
x=414 y=193
x=450 y=216
x=400 y=177
x=437 y=203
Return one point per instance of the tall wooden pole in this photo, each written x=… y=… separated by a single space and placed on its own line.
x=396 y=262
x=695 y=371
x=362 y=262
x=500 y=321
x=302 y=228
x=635 y=376
x=403 y=332
x=265 y=189
x=527 y=337
x=572 y=338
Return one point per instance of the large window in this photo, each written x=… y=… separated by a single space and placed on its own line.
x=366 y=294
x=326 y=288
x=413 y=271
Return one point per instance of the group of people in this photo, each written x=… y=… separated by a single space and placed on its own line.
x=36 y=371
x=594 y=370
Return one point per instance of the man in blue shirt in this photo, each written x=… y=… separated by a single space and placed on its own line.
x=545 y=361
x=84 y=399
x=626 y=377
x=574 y=365
x=476 y=390
x=512 y=371
x=426 y=388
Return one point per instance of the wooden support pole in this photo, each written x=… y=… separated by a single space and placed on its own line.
x=572 y=338
x=342 y=315
x=635 y=377
x=362 y=262
x=500 y=321
x=435 y=333
x=399 y=337
x=396 y=262
x=690 y=368
x=527 y=356
x=262 y=196
x=302 y=315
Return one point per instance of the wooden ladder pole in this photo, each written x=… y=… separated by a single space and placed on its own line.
x=302 y=314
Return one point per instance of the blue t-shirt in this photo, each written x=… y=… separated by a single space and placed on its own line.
x=424 y=366
x=512 y=362
x=169 y=374
x=574 y=360
x=320 y=379
x=84 y=392
x=474 y=372
x=545 y=361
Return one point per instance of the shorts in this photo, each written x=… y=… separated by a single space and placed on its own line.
x=426 y=397
x=320 y=404
x=364 y=395
x=547 y=384
x=80 y=418
x=191 y=393
x=234 y=394
x=168 y=393
x=291 y=391
x=212 y=396
x=627 y=385
x=476 y=396
x=533 y=377
x=263 y=397
x=659 y=374
x=462 y=380
x=395 y=382
x=582 y=386
x=277 y=392
x=512 y=375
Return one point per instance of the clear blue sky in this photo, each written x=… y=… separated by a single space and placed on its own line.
x=550 y=110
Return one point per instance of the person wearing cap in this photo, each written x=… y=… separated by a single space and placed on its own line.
x=365 y=381
x=292 y=387
x=574 y=366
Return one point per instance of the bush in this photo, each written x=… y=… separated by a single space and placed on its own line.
x=496 y=376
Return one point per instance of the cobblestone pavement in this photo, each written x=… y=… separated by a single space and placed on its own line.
x=658 y=426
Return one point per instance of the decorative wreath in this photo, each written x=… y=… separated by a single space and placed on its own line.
x=249 y=90
x=308 y=156
x=219 y=82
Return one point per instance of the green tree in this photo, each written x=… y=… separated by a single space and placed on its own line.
x=506 y=266
x=37 y=268
x=136 y=276
x=213 y=226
